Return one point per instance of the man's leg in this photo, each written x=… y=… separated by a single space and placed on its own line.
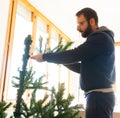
x=100 y=105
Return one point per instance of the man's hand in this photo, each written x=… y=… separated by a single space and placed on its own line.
x=38 y=57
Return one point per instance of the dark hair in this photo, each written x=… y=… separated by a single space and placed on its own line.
x=88 y=13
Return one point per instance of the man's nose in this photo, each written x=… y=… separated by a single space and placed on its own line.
x=78 y=28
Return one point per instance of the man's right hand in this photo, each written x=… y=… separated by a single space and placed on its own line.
x=38 y=57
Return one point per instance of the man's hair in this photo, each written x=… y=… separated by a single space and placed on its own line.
x=88 y=13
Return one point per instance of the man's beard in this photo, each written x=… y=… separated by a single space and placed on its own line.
x=87 y=31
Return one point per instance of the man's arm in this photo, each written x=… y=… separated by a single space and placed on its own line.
x=73 y=67
x=88 y=50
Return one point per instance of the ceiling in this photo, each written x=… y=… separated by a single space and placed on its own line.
x=62 y=14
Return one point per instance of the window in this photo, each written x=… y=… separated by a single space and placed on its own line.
x=23 y=27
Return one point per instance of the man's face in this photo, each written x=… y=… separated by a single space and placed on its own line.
x=83 y=26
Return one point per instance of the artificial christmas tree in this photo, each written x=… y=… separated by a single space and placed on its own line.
x=54 y=106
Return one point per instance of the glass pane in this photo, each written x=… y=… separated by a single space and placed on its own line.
x=23 y=27
x=53 y=75
x=53 y=69
x=40 y=45
x=54 y=39
x=64 y=78
x=75 y=89
x=41 y=25
x=41 y=41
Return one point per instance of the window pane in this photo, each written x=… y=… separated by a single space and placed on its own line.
x=23 y=27
x=40 y=45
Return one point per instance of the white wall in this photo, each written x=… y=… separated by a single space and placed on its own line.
x=4 y=7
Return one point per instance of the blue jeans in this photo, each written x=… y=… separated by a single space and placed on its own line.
x=100 y=105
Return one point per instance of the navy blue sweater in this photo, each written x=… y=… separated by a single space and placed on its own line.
x=94 y=60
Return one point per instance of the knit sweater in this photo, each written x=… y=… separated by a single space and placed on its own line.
x=94 y=60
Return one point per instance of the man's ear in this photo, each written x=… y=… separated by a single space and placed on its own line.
x=92 y=21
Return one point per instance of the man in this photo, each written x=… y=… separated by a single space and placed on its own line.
x=94 y=60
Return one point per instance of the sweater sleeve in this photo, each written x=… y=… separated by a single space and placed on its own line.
x=96 y=44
